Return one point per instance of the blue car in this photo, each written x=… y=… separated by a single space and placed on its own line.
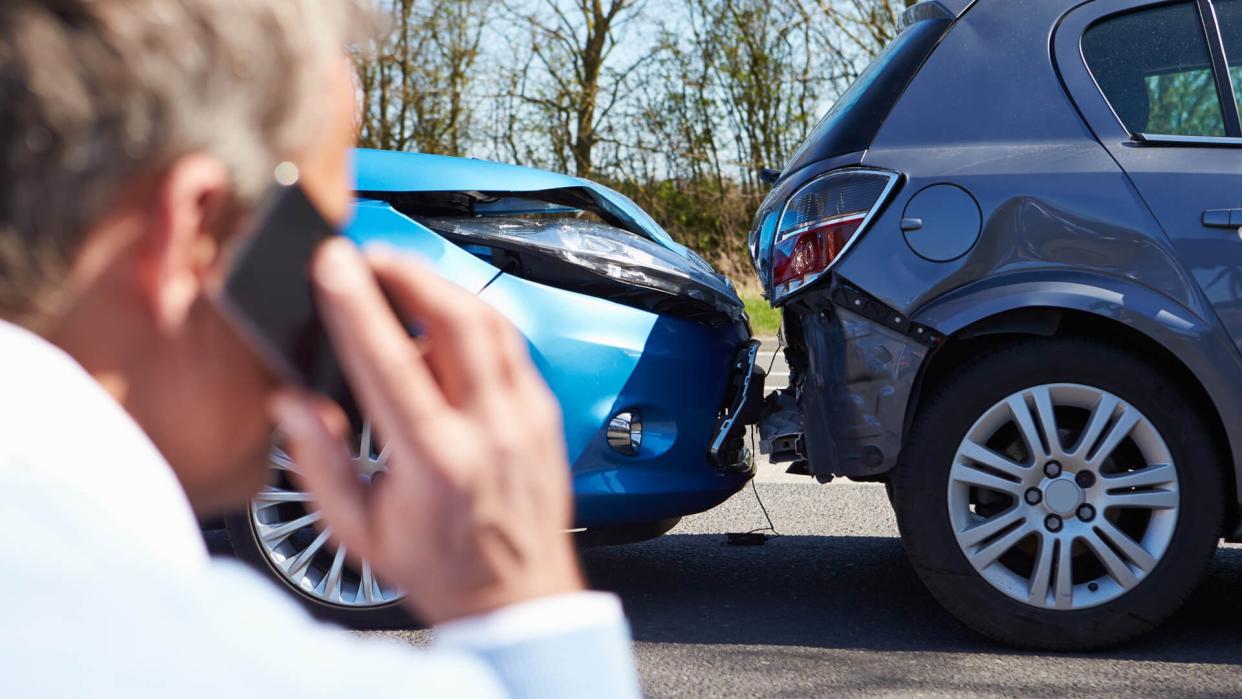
x=647 y=348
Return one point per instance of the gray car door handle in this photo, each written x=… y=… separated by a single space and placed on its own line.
x=1223 y=218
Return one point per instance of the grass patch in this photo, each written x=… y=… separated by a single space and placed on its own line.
x=764 y=320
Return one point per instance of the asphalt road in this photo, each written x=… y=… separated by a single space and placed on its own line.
x=832 y=607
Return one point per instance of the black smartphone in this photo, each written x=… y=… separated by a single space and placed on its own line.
x=267 y=294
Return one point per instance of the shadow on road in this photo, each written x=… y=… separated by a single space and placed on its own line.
x=853 y=593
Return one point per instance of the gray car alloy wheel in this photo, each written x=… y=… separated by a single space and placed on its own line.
x=284 y=525
x=1063 y=496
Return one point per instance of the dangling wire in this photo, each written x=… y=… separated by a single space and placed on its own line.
x=753 y=451
x=780 y=345
x=771 y=527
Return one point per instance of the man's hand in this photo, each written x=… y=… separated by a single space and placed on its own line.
x=473 y=512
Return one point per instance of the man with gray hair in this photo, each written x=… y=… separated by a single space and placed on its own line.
x=136 y=136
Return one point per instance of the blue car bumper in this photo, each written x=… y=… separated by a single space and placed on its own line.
x=601 y=358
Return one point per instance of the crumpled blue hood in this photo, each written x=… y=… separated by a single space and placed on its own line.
x=388 y=175
x=393 y=171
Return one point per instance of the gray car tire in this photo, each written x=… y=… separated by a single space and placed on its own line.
x=934 y=543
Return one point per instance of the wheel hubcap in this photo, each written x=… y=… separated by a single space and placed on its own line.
x=284 y=521
x=1063 y=496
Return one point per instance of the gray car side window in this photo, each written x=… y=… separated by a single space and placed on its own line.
x=1229 y=16
x=1155 y=69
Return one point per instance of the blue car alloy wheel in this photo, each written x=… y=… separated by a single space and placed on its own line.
x=646 y=347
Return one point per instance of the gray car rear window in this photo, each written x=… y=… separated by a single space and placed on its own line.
x=854 y=119
x=1155 y=69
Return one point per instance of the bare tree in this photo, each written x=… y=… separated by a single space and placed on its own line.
x=853 y=31
x=415 y=79
x=765 y=73
x=573 y=44
x=677 y=119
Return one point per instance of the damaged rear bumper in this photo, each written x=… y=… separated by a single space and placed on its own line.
x=854 y=366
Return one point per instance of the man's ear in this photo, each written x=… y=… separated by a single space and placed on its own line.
x=181 y=238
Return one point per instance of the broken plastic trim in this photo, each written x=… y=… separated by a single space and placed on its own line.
x=742 y=407
x=597 y=259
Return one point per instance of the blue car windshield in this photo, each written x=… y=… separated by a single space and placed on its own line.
x=855 y=118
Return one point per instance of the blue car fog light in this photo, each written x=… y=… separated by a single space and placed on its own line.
x=625 y=432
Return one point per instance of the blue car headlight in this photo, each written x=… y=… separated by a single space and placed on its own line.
x=587 y=256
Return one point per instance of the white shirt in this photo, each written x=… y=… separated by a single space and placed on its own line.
x=106 y=587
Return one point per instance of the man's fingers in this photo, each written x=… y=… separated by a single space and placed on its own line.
x=515 y=356
x=325 y=466
x=385 y=369
x=462 y=338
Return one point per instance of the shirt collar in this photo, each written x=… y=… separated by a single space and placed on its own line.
x=60 y=430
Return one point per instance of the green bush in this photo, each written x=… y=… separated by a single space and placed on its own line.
x=764 y=320
x=708 y=216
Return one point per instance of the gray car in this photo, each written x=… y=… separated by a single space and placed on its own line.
x=1010 y=268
